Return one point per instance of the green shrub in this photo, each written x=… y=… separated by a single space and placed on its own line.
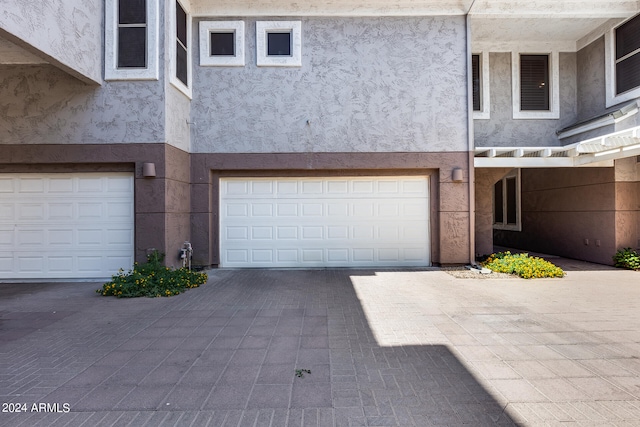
x=522 y=265
x=627 y=258
x=152 y=279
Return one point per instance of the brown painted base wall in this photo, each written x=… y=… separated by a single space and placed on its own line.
x=580 y=213
x=181 y=202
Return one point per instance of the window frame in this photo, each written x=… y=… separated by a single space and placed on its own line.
x=173 y=79
x=504 y=225
x=111 y=70
x=612 y=98
x=554 y=89
x=205 y=30
x=265 y=27
x=485 y=83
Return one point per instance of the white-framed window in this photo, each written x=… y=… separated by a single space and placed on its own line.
x=480 y=85
x=506 y=202
x=535 y=85
x=622 y=62
x=279 y=43
x=222 y=43
x=131 y=40
x=180 y=47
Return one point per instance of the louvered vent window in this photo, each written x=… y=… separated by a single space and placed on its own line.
x=181 y=44
x=475 y=76
x=132 y=34
x=628 y=56
x=534 y=82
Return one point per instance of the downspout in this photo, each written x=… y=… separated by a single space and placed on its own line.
x=471 y=144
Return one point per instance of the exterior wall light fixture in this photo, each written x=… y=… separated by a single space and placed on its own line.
x=149 y=170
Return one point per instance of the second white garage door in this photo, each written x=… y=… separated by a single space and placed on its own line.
x=65 y=225
x=324 y=222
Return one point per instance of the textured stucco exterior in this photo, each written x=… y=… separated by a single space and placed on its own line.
x=67 y=33
x=43 y=105
x=485 y=178
x=501 y=130
x=591 y=80
x=365 y=85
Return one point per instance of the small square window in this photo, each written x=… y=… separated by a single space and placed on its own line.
x=279 y=43
x=222 y=43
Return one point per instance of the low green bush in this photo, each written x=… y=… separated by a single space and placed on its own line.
x=627 y=258
x=522 y=265
x=152 y=279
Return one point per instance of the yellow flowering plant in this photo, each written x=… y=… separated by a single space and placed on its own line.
x=152 y=279
x=522 y=265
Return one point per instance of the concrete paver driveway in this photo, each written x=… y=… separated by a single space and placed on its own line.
x=384 y=348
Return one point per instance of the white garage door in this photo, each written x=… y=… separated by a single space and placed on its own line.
x=324 y=222
x=65 y=225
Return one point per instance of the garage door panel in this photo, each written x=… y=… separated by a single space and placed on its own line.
x=61 y=185
x=90 y=185
x=6 y=238
x=31 y=185
x=6 y=264
x=90 y=211
x=31 y=264
x=60 y=264
x=66 y=225
x=30 y=212
x=60 y=211
x=324 y=222
x=262 y=233
x=60 y=237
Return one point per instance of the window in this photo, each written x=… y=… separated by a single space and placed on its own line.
x=131 y=40
x=222 y=43
x=623 y=62
x=181 y=63
x=475 y=75
x=181 y=45
x=506 y=202
x=132 y=34
x=279 y=43
x=534 y=82
x=535 y=86
x=480 y=85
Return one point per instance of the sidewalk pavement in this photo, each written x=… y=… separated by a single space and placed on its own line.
x=383 y=347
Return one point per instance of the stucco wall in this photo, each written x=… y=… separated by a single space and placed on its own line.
x=568 y=212
x=485 y=178
x=365 y=85
x=501 y=130
x=41 y=104
x=178 y=121
x=591 y=80
x=67 y=33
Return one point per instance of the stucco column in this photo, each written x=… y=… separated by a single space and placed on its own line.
x=485 y=178
x=627 y=203
x=454 y=217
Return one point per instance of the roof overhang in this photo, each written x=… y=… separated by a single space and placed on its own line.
x=600 y=151
x=544 y=9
